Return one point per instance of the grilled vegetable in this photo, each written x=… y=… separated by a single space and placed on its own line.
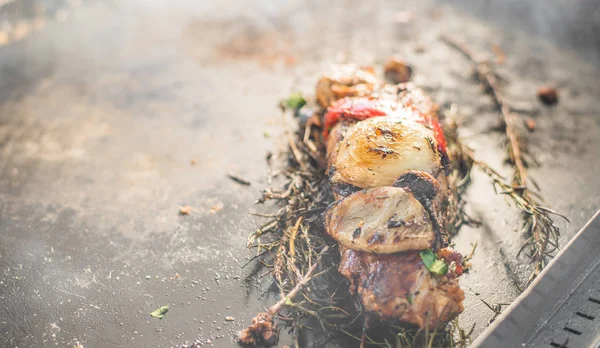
x=377 y=151
x=380 y=220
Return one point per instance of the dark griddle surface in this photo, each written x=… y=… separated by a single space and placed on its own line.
x=100 y=115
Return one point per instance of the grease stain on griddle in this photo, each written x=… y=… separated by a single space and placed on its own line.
x=240 y=40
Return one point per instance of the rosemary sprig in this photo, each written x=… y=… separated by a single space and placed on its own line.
x=459 y=176
x=543 y=234
x=541 y=231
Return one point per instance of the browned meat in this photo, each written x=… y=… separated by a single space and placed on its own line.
x=399 y=288
x=345 y=81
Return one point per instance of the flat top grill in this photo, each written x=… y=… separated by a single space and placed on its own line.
x=562 y=307
x=104 y=106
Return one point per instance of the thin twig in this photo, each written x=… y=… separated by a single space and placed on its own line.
x=486 y=75
x=497 y=309
x=292 y=248
x=238 y=179
x=274 y=309
x=538 y=225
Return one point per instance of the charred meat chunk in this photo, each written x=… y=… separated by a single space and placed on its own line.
x=399 y=288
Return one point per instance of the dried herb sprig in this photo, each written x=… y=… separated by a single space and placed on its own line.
x=289 y=247
x=541 y=231
x=458 y=178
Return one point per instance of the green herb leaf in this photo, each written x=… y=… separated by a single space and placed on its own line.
x=433 y=264
x=428 y=258
x=409 y=298
x=295 y=101
x=439 y=267
x=288 y=301
x=159 y=313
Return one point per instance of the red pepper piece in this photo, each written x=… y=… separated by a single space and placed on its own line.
x=438 y=133
x=363 y=108
x=355 y=109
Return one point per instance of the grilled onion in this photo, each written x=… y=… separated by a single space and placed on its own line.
x=377 y=151
x=380 y=220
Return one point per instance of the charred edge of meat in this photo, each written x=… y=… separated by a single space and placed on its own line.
x=422 y=185
x=424 y=188
x=343 y=189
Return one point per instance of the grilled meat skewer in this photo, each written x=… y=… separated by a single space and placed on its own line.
x=387 y=166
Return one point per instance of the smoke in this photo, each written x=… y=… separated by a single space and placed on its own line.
x=573 y=24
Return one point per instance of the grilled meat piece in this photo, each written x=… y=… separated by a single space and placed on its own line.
x=263 y=330
x=381 y=220
x=345 y=81
x=399 y=288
